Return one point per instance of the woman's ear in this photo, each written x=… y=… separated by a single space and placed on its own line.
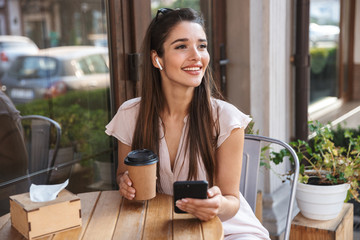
x=155 y=60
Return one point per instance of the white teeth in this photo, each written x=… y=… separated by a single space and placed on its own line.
x=192 y=69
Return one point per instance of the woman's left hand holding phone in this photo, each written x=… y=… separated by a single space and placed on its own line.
x=204 y=209
x=125 y=186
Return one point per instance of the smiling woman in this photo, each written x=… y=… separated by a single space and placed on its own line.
x=180 y=118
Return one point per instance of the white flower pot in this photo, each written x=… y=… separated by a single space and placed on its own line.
x=321 y=202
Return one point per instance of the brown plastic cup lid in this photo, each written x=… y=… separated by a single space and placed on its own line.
x=141 y=157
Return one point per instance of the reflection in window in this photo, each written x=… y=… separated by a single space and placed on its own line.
x=156 y=4
x=33 y=67
x=83 y=67
x=98 y=64
x=324 y=41
x=79 y=102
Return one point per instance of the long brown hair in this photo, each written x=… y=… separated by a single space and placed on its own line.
x=202 y=129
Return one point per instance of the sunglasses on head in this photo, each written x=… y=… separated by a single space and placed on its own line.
x=162 y=12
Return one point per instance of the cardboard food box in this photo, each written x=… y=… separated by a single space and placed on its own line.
x=35 y=219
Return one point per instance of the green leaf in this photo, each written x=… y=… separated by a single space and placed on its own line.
x=348 y=134
x=302 y=169
x=303 y=178
x=348 y=171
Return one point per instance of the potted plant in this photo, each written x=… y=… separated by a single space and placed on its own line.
x=329 y=173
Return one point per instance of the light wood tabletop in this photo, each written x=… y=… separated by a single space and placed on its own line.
x=106 y=215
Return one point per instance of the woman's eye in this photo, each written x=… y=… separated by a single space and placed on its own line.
x=180 y=47
x=203 y=46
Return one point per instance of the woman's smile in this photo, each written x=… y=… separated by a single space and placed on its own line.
x=193 y=70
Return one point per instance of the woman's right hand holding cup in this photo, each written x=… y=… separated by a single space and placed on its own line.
x=125 y=186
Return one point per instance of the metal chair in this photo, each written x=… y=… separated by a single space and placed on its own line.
x=26 y=154
x=250 y=170
x=37 y=138
x=13 y=161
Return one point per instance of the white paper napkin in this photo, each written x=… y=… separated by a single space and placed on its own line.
x=44 y=193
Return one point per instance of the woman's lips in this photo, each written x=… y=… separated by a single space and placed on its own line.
x=193 y=70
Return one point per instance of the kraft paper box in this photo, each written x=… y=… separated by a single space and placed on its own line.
x=35 y=219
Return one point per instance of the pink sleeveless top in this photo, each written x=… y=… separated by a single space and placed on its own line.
x=244 y=225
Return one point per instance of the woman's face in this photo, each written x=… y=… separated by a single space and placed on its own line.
x=185 y=56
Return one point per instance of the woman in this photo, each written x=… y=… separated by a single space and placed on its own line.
x=196 y=136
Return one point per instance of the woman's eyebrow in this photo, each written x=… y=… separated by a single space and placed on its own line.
x=179 y=40
x=186 y=39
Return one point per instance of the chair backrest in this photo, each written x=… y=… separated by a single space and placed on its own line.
x=37 y=137
x=13 y=161
x=25 y=154
x=250 y=169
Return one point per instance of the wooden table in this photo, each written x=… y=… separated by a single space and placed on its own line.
x=105 y=215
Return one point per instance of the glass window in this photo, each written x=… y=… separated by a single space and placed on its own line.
x=324 y=48
x=93 y=65
x=15 y=44
x=97 y=64
x=69 y=72
x=156 y=4
x=33 y=67
x=83 y=66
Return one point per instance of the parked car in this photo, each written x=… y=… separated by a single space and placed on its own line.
x=323 y=34
x=13 y=46
x=54 y=71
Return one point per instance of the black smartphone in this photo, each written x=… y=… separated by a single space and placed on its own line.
x=189 y=189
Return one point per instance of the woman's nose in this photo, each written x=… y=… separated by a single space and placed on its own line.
x=194 y=53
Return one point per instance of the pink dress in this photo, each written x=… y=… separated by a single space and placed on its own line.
x=244 y=225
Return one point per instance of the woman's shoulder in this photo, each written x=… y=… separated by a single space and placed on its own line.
x=131 y=104
x=228 y=113
x=122 y=125
x=224 y=108
x=129 y=109
x=229 y=117
x=221 y=105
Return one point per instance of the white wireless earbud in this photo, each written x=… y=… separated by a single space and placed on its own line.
x=157 y=61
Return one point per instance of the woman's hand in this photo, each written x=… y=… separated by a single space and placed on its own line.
x=204 y=209
x=125 y=186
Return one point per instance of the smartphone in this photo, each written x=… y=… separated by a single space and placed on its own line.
x=189 y=189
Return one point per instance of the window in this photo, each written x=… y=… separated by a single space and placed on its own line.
x=324 y=33
x=64 y=32
x=95 y=64
x=33 y=67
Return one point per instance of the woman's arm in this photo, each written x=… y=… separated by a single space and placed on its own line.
x=122 y=178
x=227 y=177
x=123 y=151
x=223 y=197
